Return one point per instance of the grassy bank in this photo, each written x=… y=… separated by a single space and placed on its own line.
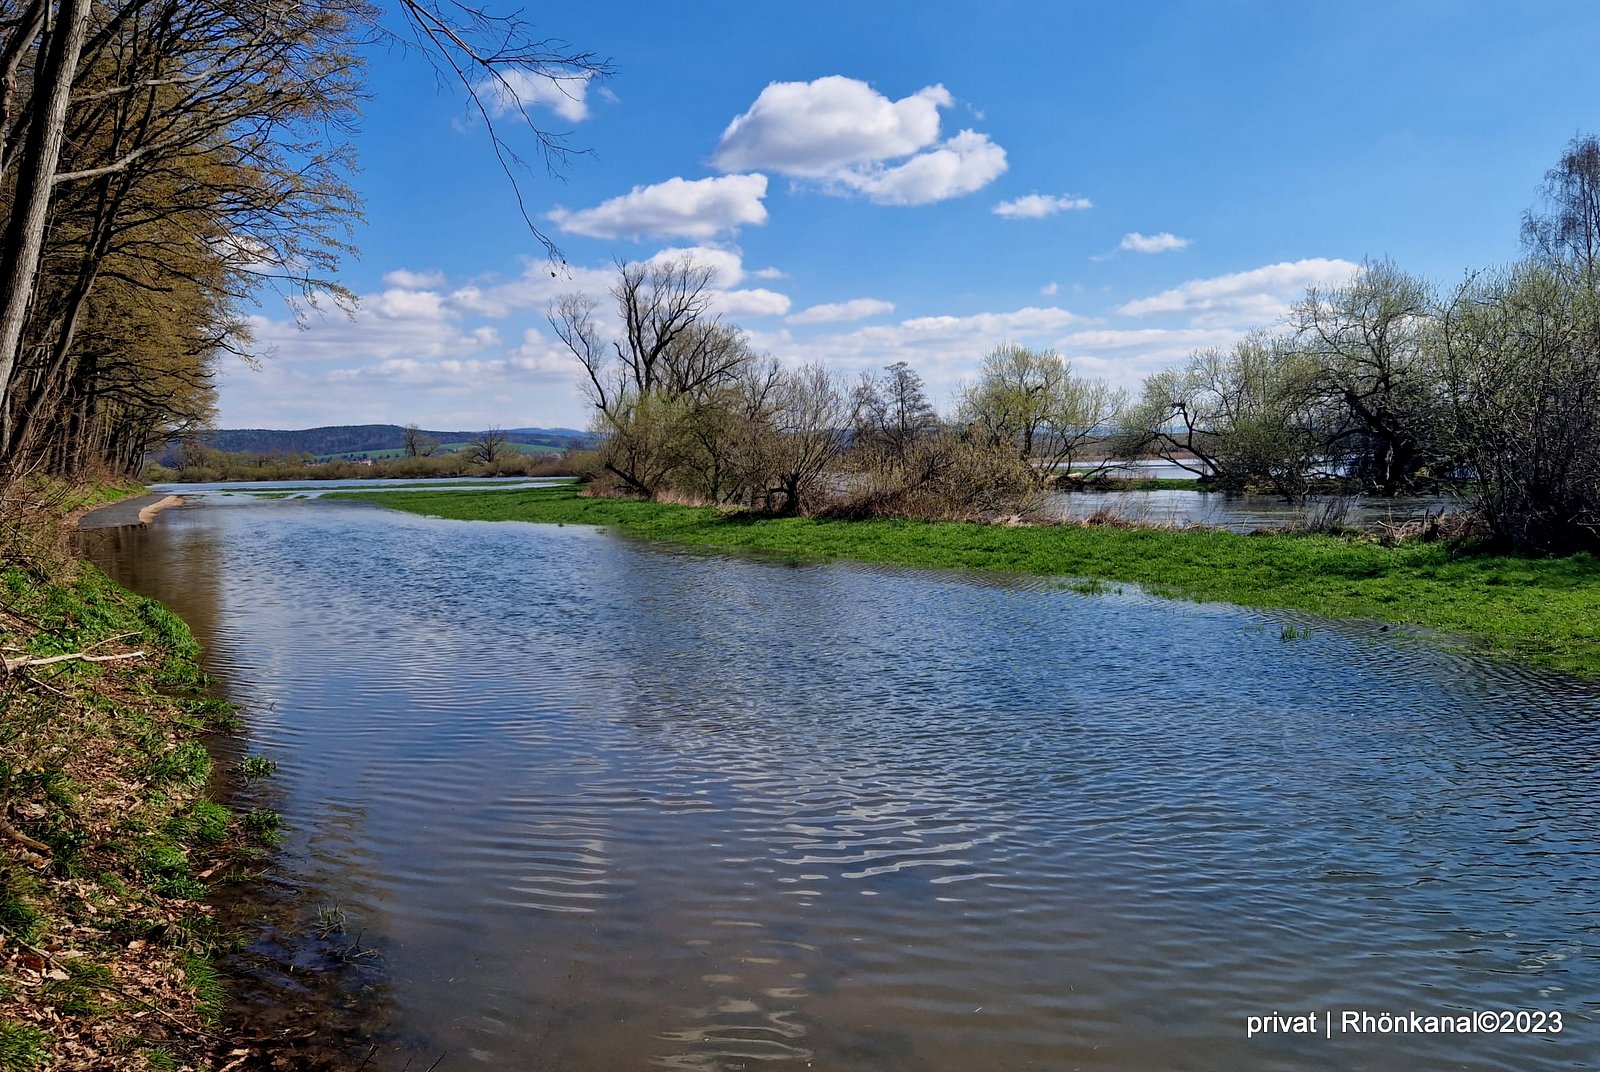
x=1546 y=611
x=107 y=838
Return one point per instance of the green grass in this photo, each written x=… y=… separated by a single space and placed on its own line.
x=252 y=767
x=1546 y=611
x=22 y=1048
x=265 y=825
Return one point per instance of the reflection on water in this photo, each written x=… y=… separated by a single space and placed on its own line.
x=604 y=805
x=1245 y=512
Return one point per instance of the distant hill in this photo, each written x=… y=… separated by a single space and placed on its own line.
x=367 y=438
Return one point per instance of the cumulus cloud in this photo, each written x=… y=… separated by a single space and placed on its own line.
x=1037 y=206
x=517 y=90
x=814 y=129
x=409 y=280
x=770 y=273
x=684 y=208
x=727 y=263
x=1157 y=243
x=852 y=139
x=1259 y=295
x=753 y=302
x=397 y=303
x=967 y=162
x=1050 y=290
x=842 y=312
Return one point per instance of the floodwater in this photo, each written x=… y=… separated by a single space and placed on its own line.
x=599 y=805
x=1246 y=512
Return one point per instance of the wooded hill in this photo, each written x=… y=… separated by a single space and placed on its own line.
x=360 y=438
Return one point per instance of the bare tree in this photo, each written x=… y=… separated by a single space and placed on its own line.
x=1567 y=232
x=417 y=443
x=889 y=413
x=667 y=355
x=487 y=448
x=808 y=435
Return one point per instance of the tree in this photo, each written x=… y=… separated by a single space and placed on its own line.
x=668 y=357
x=1522 y=369
x=487 y=448
x=417 y=443
x=808 y=429
x=1567 y=231
x=1237 y=418
x=205 y=139
x=890 y=413
x=1032 y=401
x=1368 y=343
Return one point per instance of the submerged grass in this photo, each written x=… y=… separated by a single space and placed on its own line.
x=1546 y=611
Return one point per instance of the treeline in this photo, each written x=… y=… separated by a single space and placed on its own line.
x=485 y=456
x=163 y=164
x=160 y=163
x=1380 y=386
x=362 y=438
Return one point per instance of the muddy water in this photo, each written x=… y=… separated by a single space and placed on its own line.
x=600 y=805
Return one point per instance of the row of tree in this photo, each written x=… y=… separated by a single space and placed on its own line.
x=685 y=407
x=161 y=164
x=1380 y=385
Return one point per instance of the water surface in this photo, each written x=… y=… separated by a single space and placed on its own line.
x=605 y=805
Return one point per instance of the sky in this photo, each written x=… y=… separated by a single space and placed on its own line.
x=1120 y=182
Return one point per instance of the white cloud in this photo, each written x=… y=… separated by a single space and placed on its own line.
x=945 y=350
x=435 y=354
x=1259 y=295
x=410 y=280
x=399 y=304
x=770 y=273
x=517 y=90
x=1125 y=357
x=697 y=208
x=814 y=129
x=752 y=302
x=848 y=136
x=1037 y=206
x=841 y=312
x=967 y=162
x=1156 y=243
x=727 y=263
x=1050 y=290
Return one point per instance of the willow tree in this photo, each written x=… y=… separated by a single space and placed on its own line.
x=663 y=359
x=1032 y=402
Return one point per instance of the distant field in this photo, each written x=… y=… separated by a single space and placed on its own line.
x=446 y=448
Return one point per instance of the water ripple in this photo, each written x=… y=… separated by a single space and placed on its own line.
x=605 y=805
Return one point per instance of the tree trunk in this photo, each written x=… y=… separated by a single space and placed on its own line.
x=36 y=172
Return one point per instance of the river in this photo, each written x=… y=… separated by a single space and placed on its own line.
x=602 y=805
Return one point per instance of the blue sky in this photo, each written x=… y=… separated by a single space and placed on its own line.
x=879 y=182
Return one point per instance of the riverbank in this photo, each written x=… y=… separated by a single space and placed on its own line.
x=136 y=510
x=108 y=839
x=1543 y=611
